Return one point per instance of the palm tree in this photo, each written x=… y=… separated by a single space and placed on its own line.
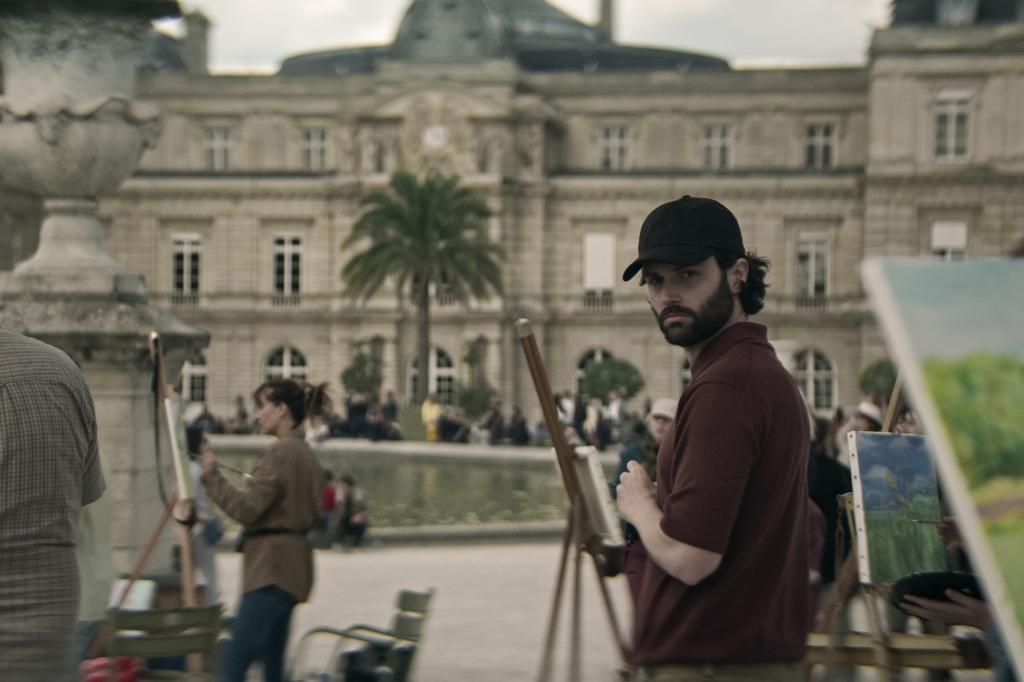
x=424 y=232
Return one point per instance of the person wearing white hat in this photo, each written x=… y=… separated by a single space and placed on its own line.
x=869 y=417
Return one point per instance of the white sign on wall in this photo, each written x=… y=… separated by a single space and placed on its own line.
x=599 y=261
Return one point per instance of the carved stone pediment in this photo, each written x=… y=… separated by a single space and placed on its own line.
x=438 y=130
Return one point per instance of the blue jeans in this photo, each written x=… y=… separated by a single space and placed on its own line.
x=260 y=632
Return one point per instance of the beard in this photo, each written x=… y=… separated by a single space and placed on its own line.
x=706 y=322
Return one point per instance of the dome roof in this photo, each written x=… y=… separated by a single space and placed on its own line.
x=534 y=33
x=450 y=29
x=536 y=19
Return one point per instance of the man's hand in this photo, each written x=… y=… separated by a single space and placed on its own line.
x=635 y=492
x=638 y=503
x=208 y=462
x=961 y=610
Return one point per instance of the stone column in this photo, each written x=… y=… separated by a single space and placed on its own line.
x=70 y=131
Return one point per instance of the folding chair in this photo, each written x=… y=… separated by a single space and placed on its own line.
x=386 y=654
x=161 y=633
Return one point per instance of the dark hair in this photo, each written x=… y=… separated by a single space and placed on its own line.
x=348 y=480
x=754 y=288
x=303 y=400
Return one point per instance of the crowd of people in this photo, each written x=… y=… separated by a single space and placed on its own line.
x=585 y=421
x=360 y=416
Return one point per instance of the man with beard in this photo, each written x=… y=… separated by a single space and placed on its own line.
x=725 y=594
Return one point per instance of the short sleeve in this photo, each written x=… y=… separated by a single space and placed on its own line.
x=716 y=446
x=93 y=484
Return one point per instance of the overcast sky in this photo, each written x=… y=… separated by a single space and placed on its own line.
x=254 y=35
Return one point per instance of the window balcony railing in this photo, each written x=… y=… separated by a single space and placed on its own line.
x=812 y=303
x=445 y=296
x=180 y=300
x=598 y=301
x=286 y=300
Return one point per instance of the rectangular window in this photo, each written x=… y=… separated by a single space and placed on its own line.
x=186 y=254
x=196 y=388
x=812 y=256
x=314 y=149
x=217 y=143
x=615 y=148
x=820 y=146
x=599 y=261
x=287 y=265
x=952 y=118
x=598 y=270
x=716 y=144
x=949 y=239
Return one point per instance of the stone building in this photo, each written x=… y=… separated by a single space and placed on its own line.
x=237 y=218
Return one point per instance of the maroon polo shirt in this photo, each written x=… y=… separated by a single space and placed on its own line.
x=732 y=479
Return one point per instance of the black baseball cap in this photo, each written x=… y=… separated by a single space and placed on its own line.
x=685 y=232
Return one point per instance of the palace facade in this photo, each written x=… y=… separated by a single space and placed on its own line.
x=237 y=219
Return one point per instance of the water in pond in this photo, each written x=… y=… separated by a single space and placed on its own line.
x=407 y=491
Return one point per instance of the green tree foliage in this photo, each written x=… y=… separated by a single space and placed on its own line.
x=476 y=397
x=878 y=379
x=365 y=372
x=981 y=400
x=423 y=232
x=599 y=378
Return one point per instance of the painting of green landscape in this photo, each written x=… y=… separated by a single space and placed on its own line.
x=897 y=490
x=981 y=400
x=957 y=331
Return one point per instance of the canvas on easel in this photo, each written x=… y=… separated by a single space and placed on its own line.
x=178 y=440
x=896 y=507
x=957 y=331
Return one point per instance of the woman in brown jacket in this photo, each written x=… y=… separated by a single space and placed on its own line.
x=277 y=508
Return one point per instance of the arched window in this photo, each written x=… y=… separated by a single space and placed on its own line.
x=685 y=374
x=192 y=384
x=285 y=363
x=440 y=380
x=588 y=358
x=816 y=376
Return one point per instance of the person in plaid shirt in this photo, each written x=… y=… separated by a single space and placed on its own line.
x=49 y=470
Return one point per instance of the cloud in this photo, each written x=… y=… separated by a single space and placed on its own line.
x=255 y=35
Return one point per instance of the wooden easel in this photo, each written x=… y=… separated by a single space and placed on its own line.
x=881 y=649
x=183 y=511
x=581 y=536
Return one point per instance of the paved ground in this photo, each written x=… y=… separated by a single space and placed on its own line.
x=489 y=612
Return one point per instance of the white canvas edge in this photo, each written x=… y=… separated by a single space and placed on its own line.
x=983 y=560
x=184 y=481
x=863 y=564
x=602 y=514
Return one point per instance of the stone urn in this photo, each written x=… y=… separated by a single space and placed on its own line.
x=70 y=130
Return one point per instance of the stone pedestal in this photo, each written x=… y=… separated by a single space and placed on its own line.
x=71 y=131
x=102 y=321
